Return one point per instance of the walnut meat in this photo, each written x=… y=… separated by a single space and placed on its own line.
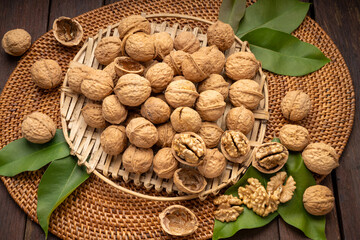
x=142 y=133
x=197 y=66
x=270 y=157
x=113 y=111
x=320 y=158
x=166 y=134
x=140 y=47
x=93 y=116
x=296 y=105
x=175 y=59
x=221 y=35
x=210 y=133
x=187 y=42
x=185 y=119
x=294 y=137
x=16 y=42
x=227 y=213
x=189 y=180
x=159 y=75
x=107 y=50
x=113 y=140
x=318 y=200
x=215 y=82
x=155 y=110
x=188 y=148
x=213 y=165
x=210 y=105
x=125 y=65
x=46 y=73
x=67 y=31
x=241 y=65
x=181 y=93
x=163 y=44
x=76 y=74
x=235 y=146
x=227 y=199
x=283 y=192
x=245 y=92
x=97 y=85
x=133 y=24
x=216 y=57
x=137 y=160
x=240 y=119
x=38 y=128
x=165 y=163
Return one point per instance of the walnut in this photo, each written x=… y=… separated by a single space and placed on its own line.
x=16 y=42
x=197 y=66
x=132 y=113
x=245 y=92
x=283 y=192
x=185 y=119
x=137 y=160
x=229 y=214
x=189 y=180
x=320 y=158
x=97 y=85
x=175 y=59
x=133 y=24
x=215 y=82
x=159 y=75
x=241 y=65
x=178 y=220
x=210 y=133
x=125 y=65
x=294 y=137
x=67 y=31
x=113 y=140
x=213 y=165
x=296 y=105
x=165 y=163
x=270 y=157
x=178 y=78
x=221 y=34
x=140 y=47
x=155 y=110
x=142 y=133
x=107 y=50
x=227 y=199
x=38 y=128
x=181 y=93
x=187 y=42
x=235 y=146
x=318 y=200
x=188 y=148
x=210 y=105
x=76 y=74
x=110 y=69
x=46 y=73
x=240 y=119
x=132 y=89
x=92 y=114
x=113 y=111
x=166 y=134
x=216 y=57
x=163 y=44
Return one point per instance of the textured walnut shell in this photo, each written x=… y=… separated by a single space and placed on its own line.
x=16 y=42
x=230 y=146
x=318 y=200
x=165 y=163
x=320 y=158
x=113 y=111
x=187 y=42
x=185 y=119
x=132 y=89
x=46 y=73
x=270 y=157
x=92 y=114
x=107 y=49
x=110 y=69
x=125 y=65
x=215 y=82
x=296 y=105
x=132 y=113
x=240 y=119
x=245 y=92
x=221 y=35
x=181 y=93
x=141 y=132
x=189 y=180
x=155 y=110
x=241 y=65
x=132 y=24
x=178 y=220
x=210 y=133
x=294 y=137
x=140 y=47
x=97 y=85
x=159 y=75
x=38 y=128
x=175 y=59
x=166 y=134
x=216 y=57
x=213 y=165
x=76 y=74
x=137 y=160
x=67 y=31
x=113 y=140
x=210 y=105
x=163 y=44
x=197 y=66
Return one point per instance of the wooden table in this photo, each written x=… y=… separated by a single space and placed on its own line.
x=340 y=19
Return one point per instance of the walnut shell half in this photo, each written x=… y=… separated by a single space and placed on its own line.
x=270 y=157
x=189 y=180
x=125 y=65
x=68 y=31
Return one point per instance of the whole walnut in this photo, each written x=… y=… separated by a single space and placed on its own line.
x=133 y=24
x=270 y=157
x=197 y=66
x=240 y=119
x=213 y=165
x=245 y=92
x=181 y=93
x=221 y=35
x=140 y=47
x=92 y=113
x=113 y=111
x=137 y=160
x=107 y=49
x=178 y=78
x=294 y=137
x=110 y=69
x=296 y=105
x=216 y=57
x=38 y=128
x=175 y=59
x=155 y=110
x=15 y=42
x=211 y=133
x=113 y=140
x=320 y=158
x=210 y=105
x=159 y=75
x=67 y=31
x=215 y=82
x=46 y=73
x=187 y=42
x=241 y=65
x=166 y=134
x=125 y=65
x=142 y=133
x=163 y=44
x=97 y=85
x=132 y=89
x=318 y=200
x=235 y=146
x=165 y=163
x=185 y=119
x=76 y=74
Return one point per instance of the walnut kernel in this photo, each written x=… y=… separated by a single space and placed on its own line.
x=235 y=146
x=38 y=128
x=16 y=42
x=270 y=157
x=228 y=214
x=283 y=192
x=188 y=148
x=46 y=73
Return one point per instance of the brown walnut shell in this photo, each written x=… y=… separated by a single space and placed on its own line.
x=137 y=160
x=318 y=200
x=107 y=50
x=215 y=82
x=294 y=137
x=185 y=119
x=165 y=163
x=296 y=105
x=163 y=44
x=241 y=65
x=240 y=119
x=197 y=66
x=16 y=42
x=155 y=110
x=133 y=24
x=38 y=128
x=181 y=93
x=189 y=180
x=67 y=31
x=210 y=105
x=270 y=157
x=110 y=69
x=221 y=35
x=175 y=59
x=245 y=92
x=113 y=111
x=142 y=133
x=93 y=116
x=211 y=133
x=125 y=65
x=159 y=75
x=213 y=165
x=46 y=73
x=216 y=57
x=235 y=146
x=76 y=74
x=140 y=47
x=97 y=85
x=166 y=134
x=187 y=42
x=113 y=140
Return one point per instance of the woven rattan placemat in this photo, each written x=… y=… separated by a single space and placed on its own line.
x=98 y=211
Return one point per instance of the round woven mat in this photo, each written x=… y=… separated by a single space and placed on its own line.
x=97 y=210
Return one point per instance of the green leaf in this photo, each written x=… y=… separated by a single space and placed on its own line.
x=282 y=15
x=22 y=155
x=248 y=219
x=283 y=53
x=60 y=179
x=232 y=11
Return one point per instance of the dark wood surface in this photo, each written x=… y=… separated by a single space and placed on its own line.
x=340 y=19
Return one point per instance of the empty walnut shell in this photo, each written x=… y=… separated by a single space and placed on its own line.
x=245 y=92
x=107 y=49
x=76 y=74
x=133 y=24
x=178 y=220
x=137 y=160
x=166 y=134
x=38 y=128
x=155 y=110
x=270 y=157
x=181 y=93
x=142 y=133
x=125 y=65
x=97 y=85
x=296 y=105
x=210 y=105
x=188 y=148
x=185 y=119
x=113 y=140
x=67 y=31
x=175 y=59
x=215 y=82
x=235 y=146
x=187 y=42
x=159 y=75
x=165 y=163
x=213 y=165
x=221 y=35
x=92 y=114
x=294 y=137
x=113 y=111
x=163 y=44
x=211 y=133
x=240 y=119
x=241 y=65
x=189 y=180
x=318 y=200
x=140 y=47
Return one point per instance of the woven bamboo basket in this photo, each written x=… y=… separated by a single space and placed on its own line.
x=85 y=141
